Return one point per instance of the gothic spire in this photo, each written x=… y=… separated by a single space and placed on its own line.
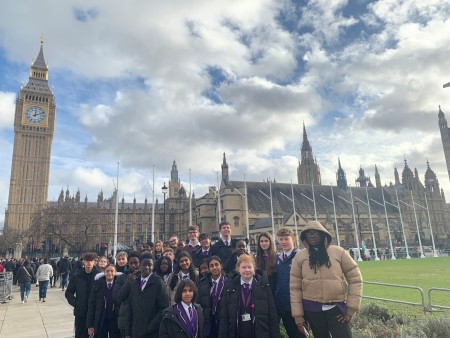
x=377 y=178
x=39 y=63
x=341 y=177
x=225 y=176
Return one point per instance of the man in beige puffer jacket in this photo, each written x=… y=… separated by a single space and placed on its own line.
x=325 y=284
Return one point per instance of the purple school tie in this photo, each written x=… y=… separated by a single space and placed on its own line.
x=285 y=257
x=246 y=287
x=190 y=312
x=205 y=253
x=186 y=277
x=226 y=243
x=109 y=286
x=142 y=283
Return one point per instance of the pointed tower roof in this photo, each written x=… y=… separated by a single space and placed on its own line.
x=305 y=145
x=396 y=176
x=341 y=177
x=40 y=63
x=441 y=113
x=429 y=173
x=377 y=178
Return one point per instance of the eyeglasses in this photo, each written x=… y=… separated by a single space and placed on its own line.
x=312 y=233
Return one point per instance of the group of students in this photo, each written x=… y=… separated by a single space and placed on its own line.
x=229 y=293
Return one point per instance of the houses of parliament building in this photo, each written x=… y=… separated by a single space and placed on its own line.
x=408 y=209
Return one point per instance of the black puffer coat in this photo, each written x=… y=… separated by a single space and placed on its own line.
x=79 y=290
x=170 y=325
x=266 y=322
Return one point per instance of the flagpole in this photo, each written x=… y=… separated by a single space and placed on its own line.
x=218 y=198
x=116 y=215
x=403 y=227
x=314 y=200
x=335 y=217
x=356 y=228
x=295 y=216
x=190 y=199
x=371 y=226
x=387 y=224
x=153 y=207
x=431 y=229
x=417 y=226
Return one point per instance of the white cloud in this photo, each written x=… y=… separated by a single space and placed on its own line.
x=7 y=109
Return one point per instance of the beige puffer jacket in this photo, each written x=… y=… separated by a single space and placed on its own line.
x=328 y=285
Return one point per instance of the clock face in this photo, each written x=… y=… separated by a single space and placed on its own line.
x=35 y=114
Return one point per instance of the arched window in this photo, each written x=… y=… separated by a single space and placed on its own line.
x=236 y=221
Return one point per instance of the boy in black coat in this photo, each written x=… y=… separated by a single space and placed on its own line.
x=147 y=299
x=78 y=292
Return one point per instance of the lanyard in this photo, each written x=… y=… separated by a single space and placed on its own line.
x=246 y=300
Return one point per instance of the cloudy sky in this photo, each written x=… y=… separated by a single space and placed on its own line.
x=149 y=82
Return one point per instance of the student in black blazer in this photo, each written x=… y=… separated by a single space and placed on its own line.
x=147 y=299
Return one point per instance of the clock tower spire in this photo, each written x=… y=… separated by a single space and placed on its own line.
x=34 y=125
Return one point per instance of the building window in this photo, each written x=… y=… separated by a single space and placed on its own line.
x=236 y=221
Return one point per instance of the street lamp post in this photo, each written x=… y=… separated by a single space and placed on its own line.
x=164 y=191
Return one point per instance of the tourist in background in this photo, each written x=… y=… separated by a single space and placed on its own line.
x=64 y=268
x=24 y=278
x=318 y=286
x=43 y=274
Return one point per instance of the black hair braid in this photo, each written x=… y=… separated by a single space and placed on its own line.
x=318 y=257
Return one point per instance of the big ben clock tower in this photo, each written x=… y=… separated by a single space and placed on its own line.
x=34 y=125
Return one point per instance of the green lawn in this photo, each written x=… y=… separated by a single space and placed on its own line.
x=425 y=273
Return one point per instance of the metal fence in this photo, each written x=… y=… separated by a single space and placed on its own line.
x=6 y=284
x=426 y=307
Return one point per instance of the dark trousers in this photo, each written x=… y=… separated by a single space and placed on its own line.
x=325 y=323
x=109 y=327
x=81 y=330
x=43 y=285
x=290 y=326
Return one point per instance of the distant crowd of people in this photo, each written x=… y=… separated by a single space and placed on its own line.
x=194 y=289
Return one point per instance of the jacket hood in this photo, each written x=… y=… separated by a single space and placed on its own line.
x=315 y=225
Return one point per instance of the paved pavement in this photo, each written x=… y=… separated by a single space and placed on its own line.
x=35 y=319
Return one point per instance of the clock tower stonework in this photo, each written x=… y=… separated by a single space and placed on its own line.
x=34 y=125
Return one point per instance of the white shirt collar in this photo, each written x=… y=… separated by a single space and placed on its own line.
x=146 y=278
x=186 y=307
x=249 y=282
x=287 y=253
x=203 y=250
x=183 y=274
x=194 y=244
x=216 y=280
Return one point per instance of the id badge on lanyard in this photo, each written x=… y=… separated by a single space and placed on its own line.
x=246 y=301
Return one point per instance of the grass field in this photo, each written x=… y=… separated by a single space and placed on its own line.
x=425 y=273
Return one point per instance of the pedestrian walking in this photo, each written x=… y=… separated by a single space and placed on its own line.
x=24 y=278
x=43 y=274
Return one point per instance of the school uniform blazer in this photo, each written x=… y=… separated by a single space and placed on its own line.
x=146 y=307
x=171 y=327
